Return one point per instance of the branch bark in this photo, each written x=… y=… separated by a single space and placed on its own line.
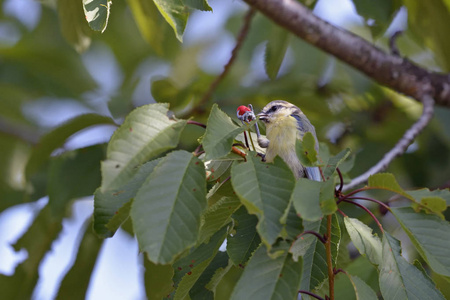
x=392 y=71
x=401 y=146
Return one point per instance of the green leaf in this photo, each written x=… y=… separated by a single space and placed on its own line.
x=367 y=244
x=334 y=162
x=199 y=258
x=175 y=13
x=432 y=201
x=37 y=241
x=313 y=199
x=76 y=282
x=158 y=280
x=217 y=216
x=245 y=240
x=314 y=260
x=326 y=196
x=265 y=190
x=401 y=280
x=275 y=50
x=72 y=175
x=145 y=133
x=218 y=167
x=420 y=194
x=306 y=150
x=220 y=134
x=97 y=13
x=267 y=278
x=429 y=22
x=362 y=290
x=198 y=4
x=120 y=217
x=58 y=136
x=73 y=25
x=200 y=290
x=305 y=198
x=429 y=234
x=167 y=208
x=380 y=14
x=112 y=204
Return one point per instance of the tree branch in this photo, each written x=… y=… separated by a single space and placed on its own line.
x=240 y=40
x=392 y=71
x=401 y=146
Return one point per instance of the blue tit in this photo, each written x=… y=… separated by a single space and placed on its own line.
x=285 y=123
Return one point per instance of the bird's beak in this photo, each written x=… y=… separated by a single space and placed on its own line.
x=262 y=116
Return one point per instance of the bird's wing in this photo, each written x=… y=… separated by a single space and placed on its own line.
x=313 y=173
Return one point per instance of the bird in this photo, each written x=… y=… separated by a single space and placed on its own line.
x=285 y=123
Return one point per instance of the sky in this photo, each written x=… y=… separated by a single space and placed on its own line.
x=119 y=255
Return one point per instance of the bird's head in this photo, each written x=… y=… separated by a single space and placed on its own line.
x=276 y=110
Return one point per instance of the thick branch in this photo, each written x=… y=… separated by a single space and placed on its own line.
x=401 y=146
x=392 y=71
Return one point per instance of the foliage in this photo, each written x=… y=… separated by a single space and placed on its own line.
x=186 y=189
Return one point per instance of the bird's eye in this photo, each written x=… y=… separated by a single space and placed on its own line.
x=274 y=108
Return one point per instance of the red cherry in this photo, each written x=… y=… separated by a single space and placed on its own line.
x=242 y=109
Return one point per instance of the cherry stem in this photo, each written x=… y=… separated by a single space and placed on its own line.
x=196 y=123
x=369 y=199
x=311 y=294
x=316 y=234
x=341 y=179
x=368 y=211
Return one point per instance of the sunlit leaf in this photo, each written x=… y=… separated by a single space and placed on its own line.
x=145 y=133
x=175 y=13
x=265 y=190
x=275 y=50
x=334 y=162
x=167 y=208
x=97 y=13
x=401 y=280
x=267 y=278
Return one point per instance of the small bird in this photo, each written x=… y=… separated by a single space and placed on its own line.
x=285 y=123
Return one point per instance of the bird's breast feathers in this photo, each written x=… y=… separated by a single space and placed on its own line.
x=282 y=135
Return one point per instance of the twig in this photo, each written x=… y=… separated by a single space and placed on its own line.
x=310 y=294
x=401 y=146
x=393 y=45
x=392 y=71
x=367 y=211
x=25 y=133
x=240 y=40
x=341 y=180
